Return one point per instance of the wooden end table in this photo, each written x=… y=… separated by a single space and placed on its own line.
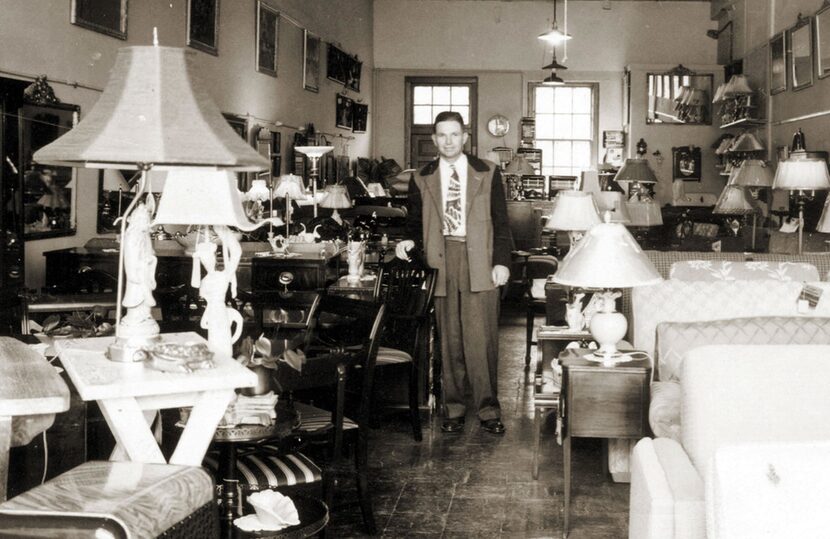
x=600 y=402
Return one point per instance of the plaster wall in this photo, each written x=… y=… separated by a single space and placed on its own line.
x=36 y=38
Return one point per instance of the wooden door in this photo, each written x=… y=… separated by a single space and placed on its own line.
x=425 y=98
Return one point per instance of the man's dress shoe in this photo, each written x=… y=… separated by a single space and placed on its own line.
x=493 y=426
x=453 y=424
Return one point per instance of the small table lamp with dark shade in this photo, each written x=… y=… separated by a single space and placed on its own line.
x=513 y=173
x=575 y=212
x=637 y=172
x=803 y=172
x=607 y=258
x=336 y=198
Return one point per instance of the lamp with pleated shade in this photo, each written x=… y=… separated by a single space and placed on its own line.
x=753 y=173
x=746 y=142
x=337 y=198
x=637 y=172
x=609 y=258
x=644 y=213
x=804 y=173
x=154 y=113
x=574 y=212
x=290 y=187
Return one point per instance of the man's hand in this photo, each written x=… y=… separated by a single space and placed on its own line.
x=402 y=249
x=500 y=275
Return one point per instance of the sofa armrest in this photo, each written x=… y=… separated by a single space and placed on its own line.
x=664 y=410
x=666 y=492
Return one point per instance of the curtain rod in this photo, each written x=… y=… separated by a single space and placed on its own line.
x=74 y=84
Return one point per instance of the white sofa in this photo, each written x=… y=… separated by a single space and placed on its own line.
x=730 y=395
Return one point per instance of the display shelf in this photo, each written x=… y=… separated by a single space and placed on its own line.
x=744 y=122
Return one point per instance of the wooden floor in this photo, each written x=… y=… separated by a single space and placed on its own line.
x=478 y=485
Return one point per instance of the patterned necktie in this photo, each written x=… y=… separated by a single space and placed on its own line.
x=452 y=206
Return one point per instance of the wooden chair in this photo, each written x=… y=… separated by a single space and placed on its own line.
x=407 y=290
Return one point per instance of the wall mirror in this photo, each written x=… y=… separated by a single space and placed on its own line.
x=801 y=54
x=778 y=63
x=823 y=41
x=679 y=96
x=49 y=194
x=114 y=196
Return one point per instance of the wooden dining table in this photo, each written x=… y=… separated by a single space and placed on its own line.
x=131 y=394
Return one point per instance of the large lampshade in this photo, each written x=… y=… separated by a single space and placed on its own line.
x=573 y=211
x=635 y=169
x=802 y=171
x=753 y=173
x=519 y=166
x=608 y=257
x=612 y=203
x=336 y=197
x=156 y=111
x=733 y=201
x=203 y=196
x=644 y=213
x=290 y=185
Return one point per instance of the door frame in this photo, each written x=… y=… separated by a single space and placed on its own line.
x=411 y=82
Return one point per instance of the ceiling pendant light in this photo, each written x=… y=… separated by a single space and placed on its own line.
x=554 y=64
x=553 y=79
x=554 y=35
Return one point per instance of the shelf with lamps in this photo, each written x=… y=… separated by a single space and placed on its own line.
x=802 y=173
x=737 y=103
x=129 y=128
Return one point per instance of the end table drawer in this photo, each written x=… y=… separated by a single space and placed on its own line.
x=607 y=404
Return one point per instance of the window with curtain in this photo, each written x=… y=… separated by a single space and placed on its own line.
x=566 y=127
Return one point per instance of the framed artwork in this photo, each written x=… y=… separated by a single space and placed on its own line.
x=203 y=25
x=353 y=76
x=105 y=16
x=360 y=115
x=49 y=193
x=311 y=62
x=344 y=110
x=778 y=63
x=686 y=163
x=267 y=32
x=801 y=54
x=336 y=64
x=823 y=41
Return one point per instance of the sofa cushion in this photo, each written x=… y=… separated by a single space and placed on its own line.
x=752 y=393
x=727 y=270
x=664 y=410
x=674 y=339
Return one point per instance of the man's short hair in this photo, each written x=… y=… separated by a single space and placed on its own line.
x=447 y=116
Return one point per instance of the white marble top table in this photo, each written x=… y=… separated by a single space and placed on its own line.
x=130 y=395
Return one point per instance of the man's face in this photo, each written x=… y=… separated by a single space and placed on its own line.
x=450 y=138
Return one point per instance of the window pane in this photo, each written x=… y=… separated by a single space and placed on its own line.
x=582 y=100
x=547 y=152
x=422 y=114
x=582 y=155
x=562 y=101
x=441 y=95
x=464 y=111
x=562 y=153
x=460 y=95
x=544 y=99
x=422 y=95
x=562 y=126
x=581 y=126
x=544 y=126
x=563 y=171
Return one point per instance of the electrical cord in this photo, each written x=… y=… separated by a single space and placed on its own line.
x=45 y=458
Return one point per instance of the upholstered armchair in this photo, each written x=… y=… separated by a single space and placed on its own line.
x=733 y=398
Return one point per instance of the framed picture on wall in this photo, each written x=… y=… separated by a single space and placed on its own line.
x=778 y=63
x=344 y=111
x=823 y=41
x=801 y=53
x=203 y=25
x=360 y=115
x=336 y=64
x=311 y=62
x=105 y=16
x=267 y=29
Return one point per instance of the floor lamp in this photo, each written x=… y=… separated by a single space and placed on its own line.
x=122 y=132
x=805 y=173
x=289 y=187
x=314 y=153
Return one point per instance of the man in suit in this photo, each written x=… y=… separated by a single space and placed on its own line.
x=458 y=217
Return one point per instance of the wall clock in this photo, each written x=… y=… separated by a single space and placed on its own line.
x=498 y=125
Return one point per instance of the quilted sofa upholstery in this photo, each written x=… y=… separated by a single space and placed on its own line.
x=676 y=339
x=731 y=394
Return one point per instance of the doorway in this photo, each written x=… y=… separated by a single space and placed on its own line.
x=425 y=98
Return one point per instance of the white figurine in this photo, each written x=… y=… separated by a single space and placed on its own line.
x=140 y=271
x=356 y=252
x=573 y=313
x=218 y=317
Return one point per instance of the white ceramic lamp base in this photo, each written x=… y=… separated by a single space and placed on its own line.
x=608 y=329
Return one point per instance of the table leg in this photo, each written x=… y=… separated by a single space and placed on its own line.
x=5 y=445
x=124 y=416
x=566 y=453
x=537 y=435
x=119 y=454
x=198 y=433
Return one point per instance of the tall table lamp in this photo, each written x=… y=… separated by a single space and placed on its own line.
x=289 y=187
x=314 y=153
x=607 y=258
x=804 y=173
x=337 y=198
x=131 y=127
x=575 y=212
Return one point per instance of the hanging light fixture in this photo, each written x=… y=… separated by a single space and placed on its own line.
x=553 y=79
x=555 y=35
